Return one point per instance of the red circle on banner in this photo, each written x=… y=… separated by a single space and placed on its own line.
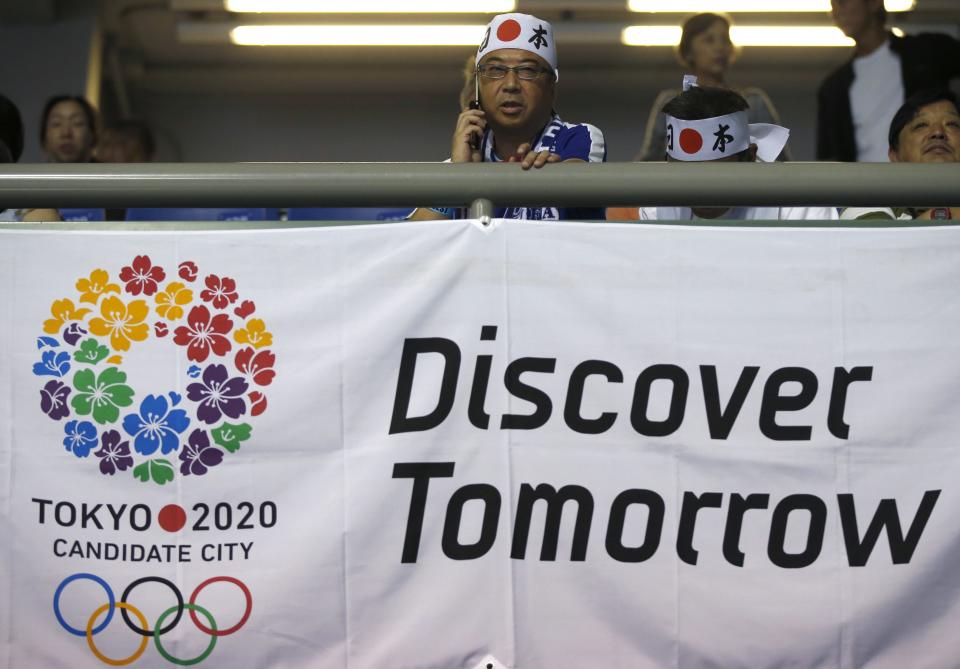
x=172 y=518
x=691 y=141
x=508 y=31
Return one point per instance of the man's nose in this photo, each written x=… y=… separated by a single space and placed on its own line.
x=938 y=130
x=512 y=80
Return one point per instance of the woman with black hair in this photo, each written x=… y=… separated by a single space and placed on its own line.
x=68 y=129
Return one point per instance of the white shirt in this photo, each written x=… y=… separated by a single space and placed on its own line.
x=743 y=214
x=875 y=96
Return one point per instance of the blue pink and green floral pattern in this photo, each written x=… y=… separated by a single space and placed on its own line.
x=152 y=433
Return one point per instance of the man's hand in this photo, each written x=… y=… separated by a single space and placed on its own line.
x=471 y=125
x=528 y=158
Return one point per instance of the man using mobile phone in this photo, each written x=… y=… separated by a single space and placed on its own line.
x=512 y=117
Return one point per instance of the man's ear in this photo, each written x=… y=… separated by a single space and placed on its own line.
x=893 y=155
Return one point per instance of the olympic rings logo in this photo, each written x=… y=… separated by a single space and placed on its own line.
x=144 y=629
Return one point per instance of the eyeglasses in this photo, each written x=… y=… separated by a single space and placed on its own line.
x=525 y=72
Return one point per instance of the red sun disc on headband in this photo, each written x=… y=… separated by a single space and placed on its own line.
x=508 y=31
x=691 y=141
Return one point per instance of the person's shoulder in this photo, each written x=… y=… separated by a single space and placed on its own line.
x=580 y=140
x=756 y=97
x=589 y=128
x=665 y=96
x=924 y=45
x=753 y=93
x=665 y=214
x=809 y=214
x=920 y=39
x=874 y=214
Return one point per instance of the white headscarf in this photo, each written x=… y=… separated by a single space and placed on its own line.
x=521 y=31
x=722 y=136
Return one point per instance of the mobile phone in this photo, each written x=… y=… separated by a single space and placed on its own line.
x=475 y=141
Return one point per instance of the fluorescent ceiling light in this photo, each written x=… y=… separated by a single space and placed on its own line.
x=362 y=35
x=743 y=36
x=371 y=6
x=758 y=6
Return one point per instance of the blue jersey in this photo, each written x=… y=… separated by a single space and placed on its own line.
x=568 y=140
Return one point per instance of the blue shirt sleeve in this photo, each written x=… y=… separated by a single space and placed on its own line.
x=582 y=141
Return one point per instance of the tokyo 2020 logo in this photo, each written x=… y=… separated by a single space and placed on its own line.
x=123 y=422
x=165 y=622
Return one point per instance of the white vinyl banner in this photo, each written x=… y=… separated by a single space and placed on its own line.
x=443 y=445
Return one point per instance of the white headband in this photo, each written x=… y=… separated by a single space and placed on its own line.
x=709 y=138
x=722 y=136
x=520 y=31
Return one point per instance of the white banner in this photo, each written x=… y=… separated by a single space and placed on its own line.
x=442 y=445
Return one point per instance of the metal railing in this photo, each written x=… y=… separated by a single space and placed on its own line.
x=483 y=185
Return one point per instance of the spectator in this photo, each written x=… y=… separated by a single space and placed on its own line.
x=706 y=51
x=68 y=129
x=510 y=116
x=11 y=148
x=711 y=124
x=127 y=141
x=926 y=129
x=858 y=100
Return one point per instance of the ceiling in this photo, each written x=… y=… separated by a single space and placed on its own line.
x=144 y=47
x=14 y=12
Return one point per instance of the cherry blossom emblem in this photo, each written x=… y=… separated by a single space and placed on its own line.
x=123 y=424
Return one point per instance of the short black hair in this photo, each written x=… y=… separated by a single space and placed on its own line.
x=702 y=102
x=133 y=130
x=11 y=128
x=912 y=107
x=88 y=111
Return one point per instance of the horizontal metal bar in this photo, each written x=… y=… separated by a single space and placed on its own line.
x=225 y=226
x=448 y=184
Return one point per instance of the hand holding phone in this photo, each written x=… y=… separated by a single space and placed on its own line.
x=468 y=136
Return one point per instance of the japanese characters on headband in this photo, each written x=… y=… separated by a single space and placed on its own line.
x=709 y=138
x=520 y=31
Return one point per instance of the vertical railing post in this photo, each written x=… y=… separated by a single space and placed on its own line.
x=482 y=209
